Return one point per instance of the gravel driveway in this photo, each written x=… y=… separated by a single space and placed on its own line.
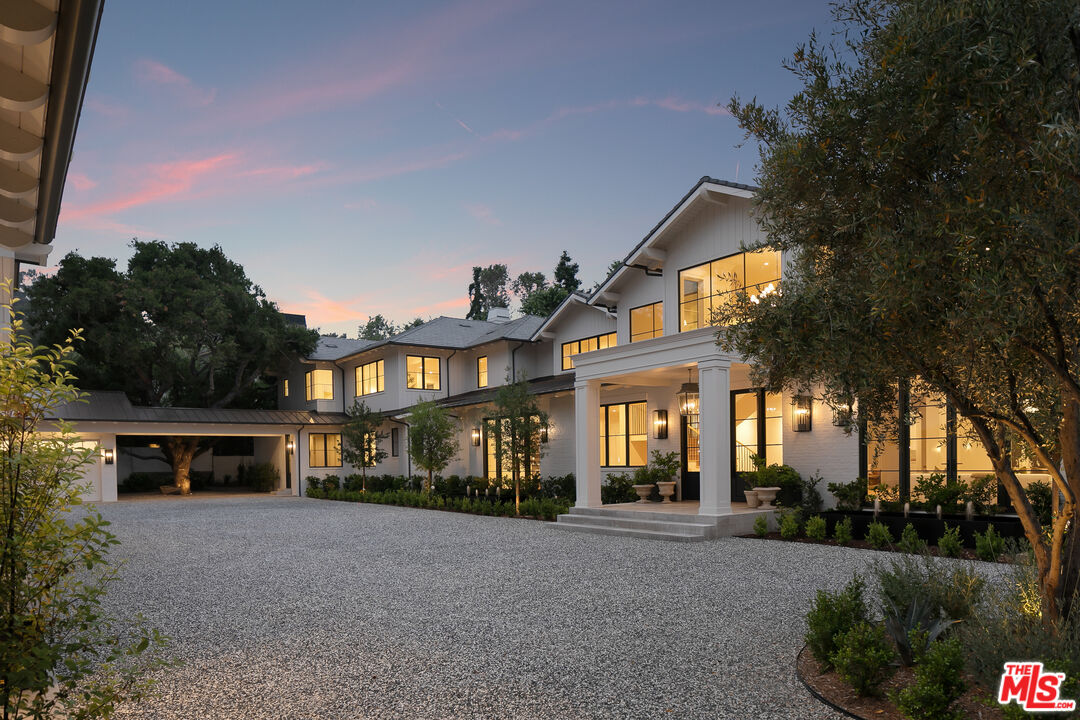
x=295 y=608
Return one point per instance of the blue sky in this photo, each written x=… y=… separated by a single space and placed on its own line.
x=360 y=157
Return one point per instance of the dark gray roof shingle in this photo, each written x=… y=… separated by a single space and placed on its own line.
x=111 y=406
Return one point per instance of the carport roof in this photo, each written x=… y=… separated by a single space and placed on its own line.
x=111 y=406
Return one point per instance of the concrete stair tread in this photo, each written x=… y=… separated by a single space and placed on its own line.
x=638 y=523
x=631 y=532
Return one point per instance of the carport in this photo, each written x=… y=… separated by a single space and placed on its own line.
x=104 y=417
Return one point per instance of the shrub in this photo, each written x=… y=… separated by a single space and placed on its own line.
x=989 y=545
x=559 y=486
x=878 y=535
x=355 y=481
x=952 y=593
x=262 y=477
x=842 y=531
x=331 y=482
x=938 y=683
x=761 y=526
x=811 y=497
x=789 y=525
x=849 y=496
x=619 y=488
x=816 y=528
x=831 y=616
x=145 y=481
x=937 y=489
x=983 y=492
x=910 y=542
x=862 y=657
x=313 y=482
x=950 y=544
x=913 y=630
x=1041 y=496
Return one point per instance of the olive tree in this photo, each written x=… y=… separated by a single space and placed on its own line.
x=361 y=435
x=60 y=654
x=432 y=438
x=924 y=183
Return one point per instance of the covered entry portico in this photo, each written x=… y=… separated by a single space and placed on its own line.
x=658 y=366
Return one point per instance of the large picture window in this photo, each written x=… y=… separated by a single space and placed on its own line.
x=481 y=372
x=597 y=342
x=706 y=287
x=647 y=322
x=319 y=385
x=370 y=378
x=422 y=373
x=624 y=435
x=324 y=450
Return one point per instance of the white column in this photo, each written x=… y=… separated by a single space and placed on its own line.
x=714 y=388
x=587 y=442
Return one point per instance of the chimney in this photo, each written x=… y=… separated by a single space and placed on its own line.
x=499 y=315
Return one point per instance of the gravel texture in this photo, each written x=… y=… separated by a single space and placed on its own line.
x=296 y=608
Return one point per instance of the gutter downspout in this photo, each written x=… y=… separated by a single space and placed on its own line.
x=513 y=361
x=448 y=372
x=408 y=457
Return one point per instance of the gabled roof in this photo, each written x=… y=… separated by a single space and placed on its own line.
x=702 y=188
x=444 y=333
x=574 y=298
x=113 y=406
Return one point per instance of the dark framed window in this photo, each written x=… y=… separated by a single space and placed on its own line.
x=319 y=385
x=646 y=322
x=596 y=342
x=481 y=372
x=493 y=460
x=370 y=378
x=423 y=373
x=624 y=435
x=395 y=447
x=324 y=450
x=706 y=287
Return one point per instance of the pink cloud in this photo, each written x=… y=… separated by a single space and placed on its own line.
x=80 y=181
x=678 y=105
x=483 y=214
x=106 y=109
x=456 y=307
x=321 y=310
x=152 y=72
x=287 y=172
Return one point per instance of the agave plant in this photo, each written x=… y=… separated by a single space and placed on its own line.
x=913 y=629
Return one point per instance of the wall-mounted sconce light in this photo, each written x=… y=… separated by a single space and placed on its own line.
x=110 y=455
x=543 y=433
x=476 y=437
x=659 y=424
x=290 y=444
x=801 y=414
x=842 y=415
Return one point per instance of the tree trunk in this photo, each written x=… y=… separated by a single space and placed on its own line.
x=430 y=482
x=182 y=451
x=363 y=482
x=517 y=490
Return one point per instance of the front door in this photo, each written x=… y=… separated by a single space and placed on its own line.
x=691 y=457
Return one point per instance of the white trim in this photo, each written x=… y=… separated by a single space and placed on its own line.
x=694 y=346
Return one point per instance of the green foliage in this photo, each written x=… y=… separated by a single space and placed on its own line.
x=811 y=500
x=936 y=489
x=816 y=528
x=665 y=465
x=952 y=591
x=619 y=488
x=432 y=438
x=761 y=526
x=910 y=542
x=989 y=545
x=360 y=438
x=541 y=508
x=923 y=183
x=789 y=525
x=938 y=683
x=313 y=482
x=949 y=544
x=566 y=271
x=488 y=290
x=61 y=654
x=832 y=615
x=878 y=535
x=1041 y=496
x=377 y=327
x=842 y=531
x=849 y=496
x=913 y=630
x=331 y=482
x=262 y=477
x=517 y=430
x=862 y=657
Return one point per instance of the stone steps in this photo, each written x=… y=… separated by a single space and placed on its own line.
x=674 y=527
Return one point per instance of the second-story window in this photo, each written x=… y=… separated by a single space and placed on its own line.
x=597 y=342
x=481 y=372
x=370 y=378
x=422 y=373
x=647 y=322
x=320 y=385
x=712 y=285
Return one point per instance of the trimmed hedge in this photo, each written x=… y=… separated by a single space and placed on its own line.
x=540 y=508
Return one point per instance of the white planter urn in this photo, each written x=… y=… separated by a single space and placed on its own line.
x=667 y=489
x=751 y=498
x=643 y=491
x=766 y=495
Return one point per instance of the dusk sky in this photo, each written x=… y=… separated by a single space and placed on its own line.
x=361 y=157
